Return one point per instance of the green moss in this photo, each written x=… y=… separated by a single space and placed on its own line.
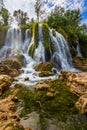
x=61 y=105
x=44 y=66
x=47 y=41
x=35 y=36
x=14 y=63
x=54 y=32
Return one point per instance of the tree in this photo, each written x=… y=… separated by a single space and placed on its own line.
x=21 y=17
x=38 y=5
x=5 y=15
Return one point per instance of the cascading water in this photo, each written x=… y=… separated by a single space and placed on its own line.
x=13 y=43
x=60 y=50
x=78 y=51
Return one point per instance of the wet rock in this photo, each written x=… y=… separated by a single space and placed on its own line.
x=32 y=121
x=44 y=66
x=45 y=73
x=41 y=85
x=12 y=62
x=5 y=82
x=26 y=79
x=19 y=85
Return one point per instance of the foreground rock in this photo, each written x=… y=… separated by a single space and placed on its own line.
x=82 y=104
x=8 y=117
x=5 y=82
x=32 y=120
x=77 y=83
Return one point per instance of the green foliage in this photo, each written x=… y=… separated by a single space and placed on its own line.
x=67 y=23
x=21 y=17
x=83 y=44
x=60 y=105
x=46 y=41
x=5 y=15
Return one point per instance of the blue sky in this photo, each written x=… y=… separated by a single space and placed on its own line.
x=28 y=6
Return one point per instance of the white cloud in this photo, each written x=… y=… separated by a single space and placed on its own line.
x=28 y=5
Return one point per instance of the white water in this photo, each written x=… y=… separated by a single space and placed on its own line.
x=78 y=51
x=60 y=54
x=13 y=43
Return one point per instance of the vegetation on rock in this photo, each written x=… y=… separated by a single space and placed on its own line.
x=60 y=103
x=44 y=66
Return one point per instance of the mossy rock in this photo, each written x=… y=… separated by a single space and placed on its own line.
x=45 y=73
x=59 y=104
x=8 y=70
x=14 y=63
x=35 y=42
x=46 y=41
x=44 y=66
x=14 y=126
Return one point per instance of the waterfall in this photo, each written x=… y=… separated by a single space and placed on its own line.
x=13 y=43
x=78 y=51
x=26 y=41
x=39 y=54
x=61 y=54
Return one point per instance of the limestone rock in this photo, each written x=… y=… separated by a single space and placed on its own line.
x=77 y=83
x=32 y=121
x=5 y=82
x=82 y=104
x=41 y=85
